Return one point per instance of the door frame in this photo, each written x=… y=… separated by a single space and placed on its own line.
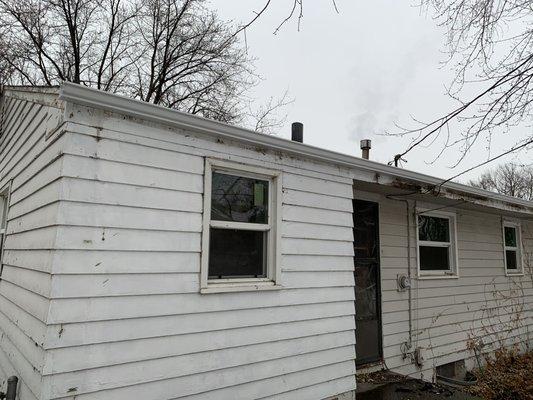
x=371 y=198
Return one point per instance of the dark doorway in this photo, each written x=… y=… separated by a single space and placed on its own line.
x=367 y=282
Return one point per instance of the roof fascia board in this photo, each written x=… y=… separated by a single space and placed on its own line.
x=45 y=95
x=82 y=95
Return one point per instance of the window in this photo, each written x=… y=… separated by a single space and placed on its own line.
x=240 y=245
x=512 y=248
x=436 y=244
x=3 y=218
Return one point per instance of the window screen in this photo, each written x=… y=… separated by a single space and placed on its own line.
x=434 y=258
x=237 y=253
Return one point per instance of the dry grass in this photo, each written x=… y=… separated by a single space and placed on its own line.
x=507 y=376
x=379 y=377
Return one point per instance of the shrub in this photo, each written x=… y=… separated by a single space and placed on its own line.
x=507 y=376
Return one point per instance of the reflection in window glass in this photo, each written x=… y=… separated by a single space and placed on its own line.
x=237 y=254
x=433 y=229
x=510 y=236
x=239 y=199
x=365 y=217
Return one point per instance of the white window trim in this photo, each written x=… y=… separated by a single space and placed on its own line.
x=453 y=272
x=273 y=279
x=5 y=192
x=518 y=248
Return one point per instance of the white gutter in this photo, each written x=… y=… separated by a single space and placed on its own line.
x=103 y=100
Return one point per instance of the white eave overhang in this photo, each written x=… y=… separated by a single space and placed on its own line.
x=400 y=178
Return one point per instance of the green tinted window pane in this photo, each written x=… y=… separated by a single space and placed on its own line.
x=510 y=236
x=510 y=259
x=434 y=258
x=239 y=199
x=433 y=229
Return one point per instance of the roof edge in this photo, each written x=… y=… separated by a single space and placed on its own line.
x=32 y=89
x=45 y=95
x=99 y=99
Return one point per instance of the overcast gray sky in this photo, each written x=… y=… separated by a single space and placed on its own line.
x=354 y=74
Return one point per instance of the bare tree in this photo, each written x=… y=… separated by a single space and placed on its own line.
x=509 y=179
x=191 y=59
x=262 y=117
x=490 y=45
x=175 y=53
x=80 y=41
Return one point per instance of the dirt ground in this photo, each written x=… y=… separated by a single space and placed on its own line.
x=387 y=386
x=414 y=389
x=506 y=375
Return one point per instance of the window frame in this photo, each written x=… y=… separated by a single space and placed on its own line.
x=273 y=227
x=5 y=192
x=519 y=253
x=453 y=256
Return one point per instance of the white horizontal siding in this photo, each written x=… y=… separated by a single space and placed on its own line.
x=240 y=358
x=117 y=307
x=321 y=367
x=482 y=302
x=105 y=354
x=117 y=330
x=126 y=317
x=100 y=297
x=30 y=162
x=124 y=195
x=7 y=370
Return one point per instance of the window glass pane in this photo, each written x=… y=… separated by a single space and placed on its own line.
x=3 y=211
x=510 y=258
x=433 y=229
x=365 y=217
x=510 y=236
x=434 y=258
x=239 y=199
x=237 y=254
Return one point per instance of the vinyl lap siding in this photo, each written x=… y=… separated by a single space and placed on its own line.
x=99 y=297
x=481 y=303
x=31 y=162
x=126 y=317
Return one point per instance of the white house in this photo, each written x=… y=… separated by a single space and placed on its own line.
x=151 y=254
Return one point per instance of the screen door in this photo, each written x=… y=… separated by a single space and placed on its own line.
x=367 y=282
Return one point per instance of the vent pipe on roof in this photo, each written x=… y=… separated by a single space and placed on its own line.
x=366 y=145
x=297 y=132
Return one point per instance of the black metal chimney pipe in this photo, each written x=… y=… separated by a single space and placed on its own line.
x=297 y=132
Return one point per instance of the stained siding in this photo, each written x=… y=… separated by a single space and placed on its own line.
x=100 y=293
x=447 y=313
x=30 y=160
x=126 y=317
